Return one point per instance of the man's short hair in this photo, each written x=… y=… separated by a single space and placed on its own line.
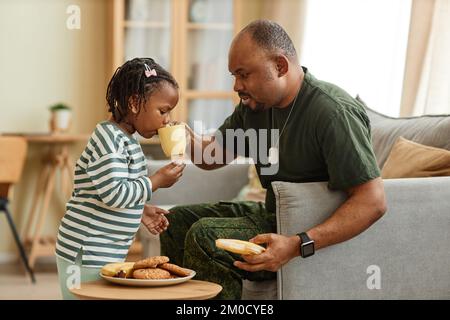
x=272 y=37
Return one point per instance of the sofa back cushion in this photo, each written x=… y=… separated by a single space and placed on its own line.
x=199 y=186
x=430 y=130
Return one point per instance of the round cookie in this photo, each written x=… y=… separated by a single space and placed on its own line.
x=174 y=269
x=151 y=273
x=150 y=262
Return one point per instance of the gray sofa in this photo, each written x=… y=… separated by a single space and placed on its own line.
x=404 y=255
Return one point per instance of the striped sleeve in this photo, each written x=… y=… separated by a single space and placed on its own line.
x=109 y=176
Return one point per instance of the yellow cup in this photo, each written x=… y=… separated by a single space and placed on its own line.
x=173 y=140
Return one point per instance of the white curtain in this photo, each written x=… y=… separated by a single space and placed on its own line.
x=359 y=46
x=433 y=96
x=419 y=35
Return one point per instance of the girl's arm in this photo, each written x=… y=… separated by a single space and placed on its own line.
x=109 y=175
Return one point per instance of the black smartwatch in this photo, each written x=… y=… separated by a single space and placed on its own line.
x=306 y=245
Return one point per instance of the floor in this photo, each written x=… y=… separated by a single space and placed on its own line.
x=15 y=284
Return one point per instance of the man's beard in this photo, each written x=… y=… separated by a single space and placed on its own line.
x=259 y=107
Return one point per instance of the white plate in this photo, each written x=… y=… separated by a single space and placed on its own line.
x=148 y=282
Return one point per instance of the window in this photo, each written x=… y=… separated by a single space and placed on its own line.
x=359 y=46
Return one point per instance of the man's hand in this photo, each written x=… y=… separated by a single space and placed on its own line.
x=153 y=218
x=280 y=249
x=188 y=131
x=198 y=143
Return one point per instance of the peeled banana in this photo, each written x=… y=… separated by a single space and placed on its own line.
x=239 y=246
x=118 y=269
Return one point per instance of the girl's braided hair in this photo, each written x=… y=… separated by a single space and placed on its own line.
x=131 y=80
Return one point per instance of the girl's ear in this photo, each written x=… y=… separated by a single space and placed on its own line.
x=133 y=104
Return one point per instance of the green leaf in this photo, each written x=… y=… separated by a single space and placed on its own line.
x=59 y=106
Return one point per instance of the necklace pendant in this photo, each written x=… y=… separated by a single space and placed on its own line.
x=273 y=155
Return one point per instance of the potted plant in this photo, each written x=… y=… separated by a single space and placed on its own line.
x=60 y=120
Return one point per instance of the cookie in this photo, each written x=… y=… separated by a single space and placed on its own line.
x=150 y=262
x=151 y=273
x=174 y=269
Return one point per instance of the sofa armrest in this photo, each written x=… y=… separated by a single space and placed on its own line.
x=409 y=244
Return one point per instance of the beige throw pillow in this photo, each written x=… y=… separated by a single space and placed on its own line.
x=409 y=159
x=253 y=191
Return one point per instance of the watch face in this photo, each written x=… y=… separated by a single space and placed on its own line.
x=307 y=249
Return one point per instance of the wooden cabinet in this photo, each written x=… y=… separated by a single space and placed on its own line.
x=191 y=39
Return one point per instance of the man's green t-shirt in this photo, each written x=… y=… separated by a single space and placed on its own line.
x=327 y=138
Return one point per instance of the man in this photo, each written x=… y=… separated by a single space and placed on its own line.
x=324 y=135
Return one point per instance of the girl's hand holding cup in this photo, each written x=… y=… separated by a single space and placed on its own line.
x=167 y=175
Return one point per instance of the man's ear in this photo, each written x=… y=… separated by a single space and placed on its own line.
x=133 y=104
x=282 y=65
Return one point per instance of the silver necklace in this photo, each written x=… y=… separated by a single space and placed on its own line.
x=274 y=151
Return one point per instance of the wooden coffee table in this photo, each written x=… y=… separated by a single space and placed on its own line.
x=189 y=290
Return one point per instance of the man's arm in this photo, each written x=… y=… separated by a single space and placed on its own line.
x=203 y=151
x=365 y=205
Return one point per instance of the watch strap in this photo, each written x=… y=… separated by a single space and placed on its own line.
x=303 y=237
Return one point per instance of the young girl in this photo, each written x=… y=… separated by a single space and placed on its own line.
x=111 y=185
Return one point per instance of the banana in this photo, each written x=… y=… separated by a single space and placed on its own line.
x=118 y=269
x=239 y=246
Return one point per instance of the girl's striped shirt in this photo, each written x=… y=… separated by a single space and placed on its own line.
x=110 y=189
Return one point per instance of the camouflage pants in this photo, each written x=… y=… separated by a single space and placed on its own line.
x=190 y=241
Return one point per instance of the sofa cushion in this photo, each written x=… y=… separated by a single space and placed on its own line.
x=198 y=186
x=409 y=159
x=430 y=130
